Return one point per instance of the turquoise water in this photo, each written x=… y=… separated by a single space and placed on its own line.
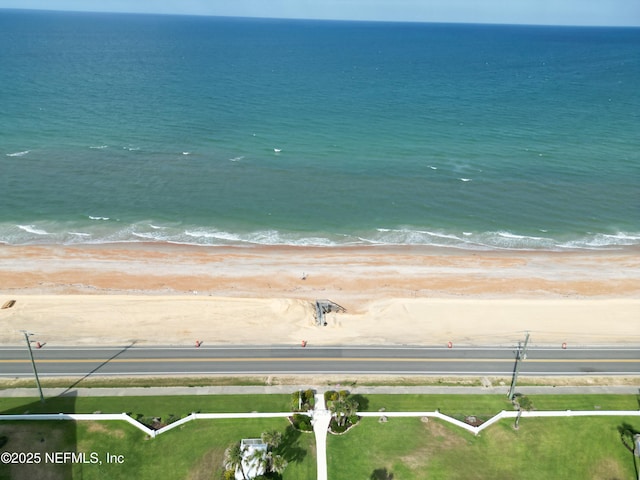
x=210 y=131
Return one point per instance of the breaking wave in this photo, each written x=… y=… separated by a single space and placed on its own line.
x=101 y=232
x=18 y=154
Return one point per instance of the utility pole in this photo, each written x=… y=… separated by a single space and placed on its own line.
x=33 y=363
x=521 y=355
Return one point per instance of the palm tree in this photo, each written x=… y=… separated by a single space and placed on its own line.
x=522 y=403
x=351 y=407
x=233 y=457
x=272 y=438
x=343 y=407
x=278 y=464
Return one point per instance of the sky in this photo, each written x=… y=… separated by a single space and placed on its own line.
x=540 y=12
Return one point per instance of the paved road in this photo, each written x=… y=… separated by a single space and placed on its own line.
x=132 y=360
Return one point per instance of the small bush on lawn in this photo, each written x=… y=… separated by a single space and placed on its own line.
x=302 y=422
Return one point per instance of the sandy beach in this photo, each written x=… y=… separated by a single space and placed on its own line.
x=172 y=294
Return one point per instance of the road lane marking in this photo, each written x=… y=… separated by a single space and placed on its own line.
x=321 y=359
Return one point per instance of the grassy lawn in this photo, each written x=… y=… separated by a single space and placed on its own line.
x=192 y=451
x=407 y=448
x=177 y=406
x=447 y=404
x=36 y=437
x=489 y=405
x=180 y=406
x=567 y=448
x=585 y=402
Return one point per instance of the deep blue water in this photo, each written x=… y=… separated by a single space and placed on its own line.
x=238 y=131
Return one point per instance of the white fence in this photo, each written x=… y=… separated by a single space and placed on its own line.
x=506 y=414
x=99 y=417
x=217 y=416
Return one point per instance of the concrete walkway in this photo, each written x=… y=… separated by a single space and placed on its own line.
x=287 y=389
x=321 y=419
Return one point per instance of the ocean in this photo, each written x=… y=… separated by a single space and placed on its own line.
x=230 y=131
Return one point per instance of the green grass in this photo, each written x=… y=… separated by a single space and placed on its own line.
x=192 y=451
x=480 y=405
x=585 y=402
x=445 y=403
x=180 y=406
x=177 y=406
x=139 y=382
x=36 y=437
x=567 y=448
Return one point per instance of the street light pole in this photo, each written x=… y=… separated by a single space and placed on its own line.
x=521 y=355
x=33 y=363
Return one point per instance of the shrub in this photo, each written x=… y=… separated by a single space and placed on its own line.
x=303 y=401
x=301 y=422
x=330 y=396
x=335 y=428
x=310 y=398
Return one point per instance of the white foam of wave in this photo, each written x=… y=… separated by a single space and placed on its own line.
x=408 y=236
x=33 y=229
x=520 y=237
x=213 y=234
x=274 y=237
x=600 y=241
x=91 y=217
x=186 y=153
x=18 y=154
x=260 y=237
x=148 y=236
x=236 y=159
x=498 y=240
x=513 y=241
x=465 y=179
x=100 y=232
x=98 y=147
x=502 y=240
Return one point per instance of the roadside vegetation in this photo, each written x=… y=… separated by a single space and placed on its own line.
x=328 y=381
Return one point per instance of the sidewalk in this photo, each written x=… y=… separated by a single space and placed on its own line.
x=287 y=389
